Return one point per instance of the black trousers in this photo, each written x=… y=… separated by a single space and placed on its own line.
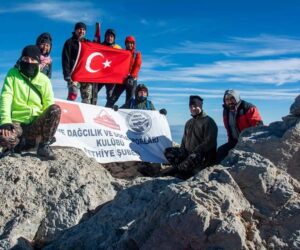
x=117 y=92
x=224 y=149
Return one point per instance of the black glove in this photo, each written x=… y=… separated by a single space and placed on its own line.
x=191 y=162
x=130 y=81
x=7 y=126
x=163 y=111
x=187 y=164
x=115 y=107
x=173 y=155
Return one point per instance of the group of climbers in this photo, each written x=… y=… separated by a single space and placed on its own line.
x=27 y=109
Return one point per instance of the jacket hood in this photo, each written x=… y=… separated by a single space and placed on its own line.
x=44 y=38
x=234 y=93
x=140 y=87
x=130 y=39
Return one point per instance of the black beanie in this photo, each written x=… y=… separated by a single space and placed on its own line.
x=79 y=26
x=193 y=98
x=32 y=51
x=110 y=31
x=44 y=38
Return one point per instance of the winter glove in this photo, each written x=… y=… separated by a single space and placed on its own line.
x=173 y=155
x=163 y=111
x=189 y=163
x=130 y=81
x=115 y=107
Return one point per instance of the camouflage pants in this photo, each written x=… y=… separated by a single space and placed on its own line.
x=44 y=126
x=86 y=91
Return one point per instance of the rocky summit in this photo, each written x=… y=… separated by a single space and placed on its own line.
x=250 y=201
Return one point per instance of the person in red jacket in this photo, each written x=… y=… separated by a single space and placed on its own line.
x=237 y=116
x=131 y=81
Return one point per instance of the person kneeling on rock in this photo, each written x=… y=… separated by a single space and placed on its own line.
x=27 y=108
x=198 y=146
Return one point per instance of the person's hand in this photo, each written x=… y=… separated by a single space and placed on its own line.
x=130 y=81
x=6 y=129
x=163 y=111
x=115 y=107
x=188 y=163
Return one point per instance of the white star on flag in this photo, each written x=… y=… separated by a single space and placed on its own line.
x=106 y=63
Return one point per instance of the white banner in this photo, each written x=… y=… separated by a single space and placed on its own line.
x=113 y=136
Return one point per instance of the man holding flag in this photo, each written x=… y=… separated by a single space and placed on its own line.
x=69 y=56
x=97 y=64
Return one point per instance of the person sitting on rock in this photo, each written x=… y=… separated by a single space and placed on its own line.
x=198 y=145
x=27 y=106
x=237 y=116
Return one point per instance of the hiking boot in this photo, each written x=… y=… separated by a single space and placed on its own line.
x=9 y=152
x=45 y=152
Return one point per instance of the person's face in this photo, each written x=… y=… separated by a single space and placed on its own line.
x=196 y=107
x=142 y=93
x=129 y=45
x=110 y=38
x=29 y=59
x=230 y=102
x=80 y=33
x=45 y=48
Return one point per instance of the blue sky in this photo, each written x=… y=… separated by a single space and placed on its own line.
x=188 y=47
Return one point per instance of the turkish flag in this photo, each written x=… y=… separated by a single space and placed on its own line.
x=70 y=113
x=97 y=63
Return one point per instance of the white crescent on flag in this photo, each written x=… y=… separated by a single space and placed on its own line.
x=89 y=60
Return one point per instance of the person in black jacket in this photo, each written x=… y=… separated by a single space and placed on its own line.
x=69 y=55
x=198 y=145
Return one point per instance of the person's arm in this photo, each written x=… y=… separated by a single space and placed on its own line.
x=254 y=117
x=152 y=106
x=136 y=65
x=48 y=96
x=6 y=100
x=209 y=132
x=66 y=57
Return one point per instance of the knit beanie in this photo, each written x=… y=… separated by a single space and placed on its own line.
x=193 y=99
x=32 y=51
x=79 y=26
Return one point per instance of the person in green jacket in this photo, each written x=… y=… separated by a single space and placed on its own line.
x=27 y=109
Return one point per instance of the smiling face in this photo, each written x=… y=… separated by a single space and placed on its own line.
x=80 y=33
x=129 y=45
x=110 y=38
x=45 y=48
x=195 y=107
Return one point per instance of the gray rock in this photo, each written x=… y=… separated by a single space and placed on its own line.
x=295 y=107
x=42 y=198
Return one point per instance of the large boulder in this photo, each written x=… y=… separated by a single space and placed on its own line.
x=40 y=199
x=205 y=212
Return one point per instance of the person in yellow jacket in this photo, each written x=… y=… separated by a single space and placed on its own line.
x=27 y=109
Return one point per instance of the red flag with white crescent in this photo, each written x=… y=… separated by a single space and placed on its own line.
x=97 y=63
